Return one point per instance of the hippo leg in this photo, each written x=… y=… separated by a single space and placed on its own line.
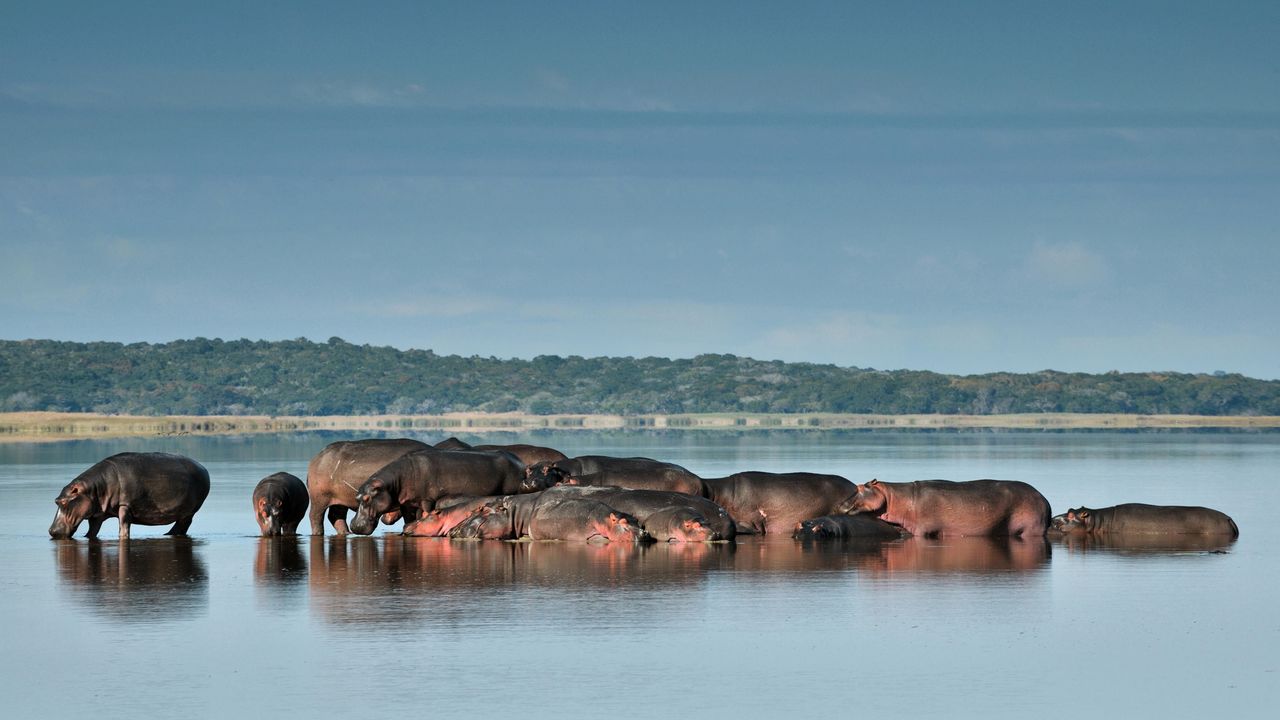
x=180 y=527
x=317 y=516
x=291 y=528
x=124 y=522
x=338 y=517
x=94 y=524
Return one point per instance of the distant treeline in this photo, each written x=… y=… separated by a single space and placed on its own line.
x=300 y=377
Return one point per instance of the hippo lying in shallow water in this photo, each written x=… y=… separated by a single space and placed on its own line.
x=142 y=488
x=557 y=518
x=844 y=527
x=1141 y=519
x=942 y=508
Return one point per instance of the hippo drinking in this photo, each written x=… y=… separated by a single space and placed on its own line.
x=142 y=488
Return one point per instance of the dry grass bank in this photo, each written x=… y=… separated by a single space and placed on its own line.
x=37 y=426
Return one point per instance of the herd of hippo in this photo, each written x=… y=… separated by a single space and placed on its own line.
x=456 y=490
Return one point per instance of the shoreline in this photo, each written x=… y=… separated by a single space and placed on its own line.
x=54 y=426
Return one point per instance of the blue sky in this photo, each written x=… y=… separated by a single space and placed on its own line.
x=962 y=187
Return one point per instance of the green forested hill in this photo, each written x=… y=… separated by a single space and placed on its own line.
x=299 y=377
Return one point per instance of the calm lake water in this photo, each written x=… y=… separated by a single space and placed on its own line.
x=225 y=623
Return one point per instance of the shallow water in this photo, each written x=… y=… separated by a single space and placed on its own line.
x=225 y=622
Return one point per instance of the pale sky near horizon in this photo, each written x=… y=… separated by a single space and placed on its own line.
x=960 y=187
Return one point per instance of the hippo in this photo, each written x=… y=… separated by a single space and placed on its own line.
x=579 y=519
x=415 y=481
x=1141 y=519
x=942 y=508
x=525 y=453
x=142 y=488
x=643 y=504
x=844 y=527
x=279 y=502
x=636 y=473
x=445 y=516
x=679 y=524
x=764 y=503
x=337 y=470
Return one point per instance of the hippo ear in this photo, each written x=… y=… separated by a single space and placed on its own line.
x=873 y=482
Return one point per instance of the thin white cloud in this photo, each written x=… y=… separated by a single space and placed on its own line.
x=1067 y=265
x=361 y=94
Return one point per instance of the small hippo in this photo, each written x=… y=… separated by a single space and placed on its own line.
x=842 y=527
x=446 y=515
x=1141 y=519
x=279 y=504
x=679 y=524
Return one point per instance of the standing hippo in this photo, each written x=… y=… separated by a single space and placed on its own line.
x=580 y=519
x=942 y=508
x=142 y=488
x=338 y=470
x=414 y=482
x=635 y=473
x=1140 y=519
x=525 y=453
x=764 y=503
x=844 y=527
x=279 y=502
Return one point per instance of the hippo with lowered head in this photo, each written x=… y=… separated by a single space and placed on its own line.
x=142 y=488
x=1141 y=519
x=943 y=508
x=338 y=470
x=279 y=503
x=414 y=482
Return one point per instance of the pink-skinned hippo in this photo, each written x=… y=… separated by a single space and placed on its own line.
x=446 y=515
x=579 y=519
x=414 y=482
x=773 y=503
x=279 y=504
x=845 y=527
x=141 y=488
x=943 y=508
x=340 y=468
x=1141 y=519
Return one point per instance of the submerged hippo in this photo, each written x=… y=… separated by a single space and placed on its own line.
x=142 y=488
x=844 y=527
x=279 y=503
x=338 y=470
x=415 y=481
x=772 y=503
x=564 y=518
x=942 y=508
x=1140 y=519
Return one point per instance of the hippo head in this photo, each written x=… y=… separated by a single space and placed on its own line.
x=621 y=527
x=75 y=503
x=680 y=525
x=542 y=475
x=372 y=501
x=815 y=529
x=868 y=498
x=487 y=522
x=268 y=511
x=1073 y=520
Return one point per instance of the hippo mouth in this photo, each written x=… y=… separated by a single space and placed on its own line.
x=64 y=525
